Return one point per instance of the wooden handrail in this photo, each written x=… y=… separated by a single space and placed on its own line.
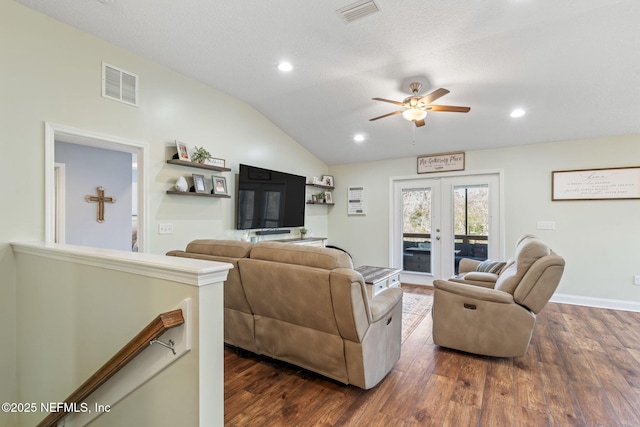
x=157 y=327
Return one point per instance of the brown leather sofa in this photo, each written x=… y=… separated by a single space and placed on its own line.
x=494 y=314
x=306 y=306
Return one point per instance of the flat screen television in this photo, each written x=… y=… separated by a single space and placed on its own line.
x=269 y=199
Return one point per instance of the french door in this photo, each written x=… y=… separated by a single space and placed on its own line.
x=436 y=221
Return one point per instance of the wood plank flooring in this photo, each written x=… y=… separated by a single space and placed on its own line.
x=582 y=369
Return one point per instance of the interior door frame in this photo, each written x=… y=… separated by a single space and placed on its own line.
x=59 y=194
x=98 y=140
x=395 y=227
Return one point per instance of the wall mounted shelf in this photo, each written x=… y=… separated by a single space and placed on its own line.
x=326 y=187
x=322 y=187
x=192 y=193
x=197 y=165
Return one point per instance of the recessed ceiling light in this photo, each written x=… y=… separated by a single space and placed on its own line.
x=285 y=66
x=358 y=137
x=518 y=112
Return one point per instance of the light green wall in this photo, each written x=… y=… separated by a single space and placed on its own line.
x=52 y=73
x=82 y=315
x=597 y=238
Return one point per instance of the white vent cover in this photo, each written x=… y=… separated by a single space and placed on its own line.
x=358 y=10
x=119 y=85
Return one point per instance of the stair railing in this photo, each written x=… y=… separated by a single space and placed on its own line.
x=149 y=335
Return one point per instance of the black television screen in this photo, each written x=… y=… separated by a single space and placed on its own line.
x=269 y=199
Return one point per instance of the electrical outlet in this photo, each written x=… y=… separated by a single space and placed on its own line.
x=165 y=228
x=636 y=280
x=546 y=225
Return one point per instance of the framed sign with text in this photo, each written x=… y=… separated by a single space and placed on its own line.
x=441 y=162
x=596 y=184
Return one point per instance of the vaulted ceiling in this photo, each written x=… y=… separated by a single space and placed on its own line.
x=572 y=65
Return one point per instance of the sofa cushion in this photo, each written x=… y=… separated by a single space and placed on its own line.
x=225 y=248
x=309 y=256
x=489 y=266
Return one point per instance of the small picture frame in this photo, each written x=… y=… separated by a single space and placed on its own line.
x=183 y=151
x=212 y=161
x=219 y=185
x=328 y=197
x=198 y=183
x=314 y=198
x=327 y=180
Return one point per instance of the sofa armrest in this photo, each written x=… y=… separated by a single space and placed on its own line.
x=466 y=265
x=479 y=276
x=383 y=303
x=474 y=292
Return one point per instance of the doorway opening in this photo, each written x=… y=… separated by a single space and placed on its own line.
x=135 y=151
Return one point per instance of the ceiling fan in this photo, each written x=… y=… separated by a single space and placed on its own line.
x=415 y=107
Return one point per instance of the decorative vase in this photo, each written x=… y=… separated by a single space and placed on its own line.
x=181 y=184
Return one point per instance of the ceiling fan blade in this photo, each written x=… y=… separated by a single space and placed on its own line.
x=436 y=94
x=449 y=108
x=419 y=123
x=386 y=115
x=388 y=100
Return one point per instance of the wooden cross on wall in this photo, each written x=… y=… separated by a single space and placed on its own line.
x=100 y=199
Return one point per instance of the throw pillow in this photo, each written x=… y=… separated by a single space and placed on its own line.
x=489 y=266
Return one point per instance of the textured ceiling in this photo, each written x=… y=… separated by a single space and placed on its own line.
x=573 y=65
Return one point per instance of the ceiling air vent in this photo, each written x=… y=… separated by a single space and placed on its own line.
x=358 y=10
x=119 y=85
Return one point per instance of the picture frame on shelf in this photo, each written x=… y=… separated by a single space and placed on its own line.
x=198 y=183
x=314 y=198
x=219 y=185
x=183 y=151
x=327 y=180
x=215 y=162
x=328 y=197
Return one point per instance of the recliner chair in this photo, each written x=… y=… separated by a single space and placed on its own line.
x=497 y=319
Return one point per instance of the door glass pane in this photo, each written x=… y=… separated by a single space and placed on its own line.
x=471 y=222
x=416 y=229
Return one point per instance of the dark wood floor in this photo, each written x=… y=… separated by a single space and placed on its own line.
x=582 y=369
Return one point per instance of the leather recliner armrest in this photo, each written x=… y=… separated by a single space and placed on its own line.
x=383 y=303
x=477 y=278
x=474 y=292
x=467 y=264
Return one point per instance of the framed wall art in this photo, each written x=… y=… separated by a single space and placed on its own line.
x=443 y=162
x=596 y=184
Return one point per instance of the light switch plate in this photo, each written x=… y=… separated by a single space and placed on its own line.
x=165 y=228
x=546 y=225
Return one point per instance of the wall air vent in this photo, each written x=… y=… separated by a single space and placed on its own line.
x=358 y=10
x=119 y=85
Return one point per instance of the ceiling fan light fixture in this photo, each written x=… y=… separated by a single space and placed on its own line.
x=414 y=114
x=285 y=66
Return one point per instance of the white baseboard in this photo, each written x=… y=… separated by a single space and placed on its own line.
x=613 y=304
